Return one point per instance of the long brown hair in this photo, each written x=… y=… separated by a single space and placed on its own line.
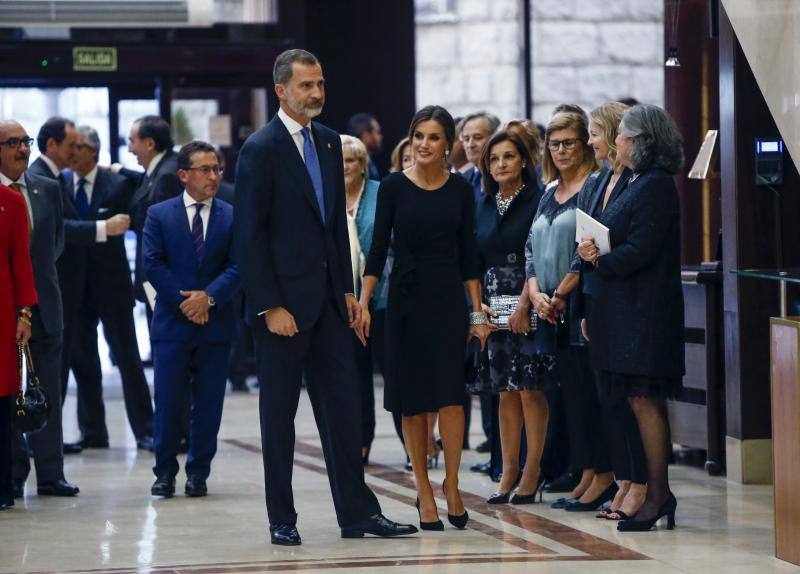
x=528 y=169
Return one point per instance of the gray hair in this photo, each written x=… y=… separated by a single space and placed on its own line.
x=491 y=120
x=657 y=142
x=282 y=71
x=92 y=139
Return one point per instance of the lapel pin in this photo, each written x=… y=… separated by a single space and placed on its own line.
x=329 y=145
x=35 y=192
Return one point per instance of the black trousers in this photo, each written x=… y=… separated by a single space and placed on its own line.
x=85 y=364
x=587 y=440
x=555 y=457
x=624 y=441
x=363 y=357
x=325 y=354
x=6 y=490
x=48 y=454
x=240 y=348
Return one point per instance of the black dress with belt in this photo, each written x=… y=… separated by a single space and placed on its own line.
x=435 y=252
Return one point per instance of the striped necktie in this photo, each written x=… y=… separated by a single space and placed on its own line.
x=18 y=188
x=197 y=230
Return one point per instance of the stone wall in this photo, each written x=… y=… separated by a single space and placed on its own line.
x=584 y=51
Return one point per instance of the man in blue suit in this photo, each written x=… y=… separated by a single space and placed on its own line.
x=188 y=258
x=293 y=246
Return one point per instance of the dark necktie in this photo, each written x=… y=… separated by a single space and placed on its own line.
x=82 y=199
x=18 y=188
x=197 y=231
x=314 y=171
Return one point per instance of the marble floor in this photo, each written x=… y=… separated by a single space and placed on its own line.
x=115 y=526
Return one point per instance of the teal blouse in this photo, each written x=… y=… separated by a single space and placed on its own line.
x=365 y=224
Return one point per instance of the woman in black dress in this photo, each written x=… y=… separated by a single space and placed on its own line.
x=515 y=369
x=431 y=214
x=636 y=318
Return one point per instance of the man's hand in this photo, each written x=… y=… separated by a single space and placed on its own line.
x=353 y=310
x=195 y=306
x=118 y=224
x=200 y=319
x=281 y=322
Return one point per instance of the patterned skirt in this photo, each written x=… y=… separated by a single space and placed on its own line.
x=513 y=362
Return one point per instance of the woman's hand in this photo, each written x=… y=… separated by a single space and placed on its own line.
x=583 y=329
x=520 y=321
x=362 y=329
x=587 y=250
x=23 y=329
x=542 y=304
x=482 y=332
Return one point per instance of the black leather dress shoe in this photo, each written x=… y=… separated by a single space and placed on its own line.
x=482 y=467
x=145 y=443
x=378 y=525
x=73 y=448
x=57 y=488
x=195 y=486
x=163 y=486
x=564 y=483
x=485 y=446
x=18 y=488
x=284 y=535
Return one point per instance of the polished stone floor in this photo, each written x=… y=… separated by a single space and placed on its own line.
x=115 y=526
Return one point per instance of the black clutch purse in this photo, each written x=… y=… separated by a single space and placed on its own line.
x=32 y=406
x=504 y=306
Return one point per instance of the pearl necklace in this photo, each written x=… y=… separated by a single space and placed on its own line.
x=503 y=203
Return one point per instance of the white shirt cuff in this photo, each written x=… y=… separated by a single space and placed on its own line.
x=101 y=236
x=115 y=167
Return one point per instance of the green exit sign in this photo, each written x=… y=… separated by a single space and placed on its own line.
x=94 y=59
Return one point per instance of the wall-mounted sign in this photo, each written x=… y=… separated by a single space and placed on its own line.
x=94 y=59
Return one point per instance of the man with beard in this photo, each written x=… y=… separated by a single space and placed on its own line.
x=43 y=199
x=294 y=257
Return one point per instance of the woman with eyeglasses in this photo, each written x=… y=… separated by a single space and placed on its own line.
x=17 y=294
x=553 y=269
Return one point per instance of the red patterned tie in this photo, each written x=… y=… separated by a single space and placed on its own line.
x=197 y=231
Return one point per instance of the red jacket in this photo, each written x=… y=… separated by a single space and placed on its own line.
x=16 y=281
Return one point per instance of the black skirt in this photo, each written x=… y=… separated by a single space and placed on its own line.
x=620 y=386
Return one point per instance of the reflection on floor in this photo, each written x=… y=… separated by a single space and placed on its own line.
x=115 y=526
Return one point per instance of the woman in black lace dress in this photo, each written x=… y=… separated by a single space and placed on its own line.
x=431 y=213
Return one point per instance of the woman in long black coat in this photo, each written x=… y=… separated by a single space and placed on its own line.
x=637 y=310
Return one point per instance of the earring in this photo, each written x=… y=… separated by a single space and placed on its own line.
x=524 y=164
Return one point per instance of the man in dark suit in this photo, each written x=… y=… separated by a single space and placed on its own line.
x=151 y=142
x=476 y=129
x=56 y=141
x=96 y=284
x=43 y=199
x=294 y=255
x=188 y=258
x=365 y=127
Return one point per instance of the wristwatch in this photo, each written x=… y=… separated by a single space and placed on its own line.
x=557 y=295
x=211 y=301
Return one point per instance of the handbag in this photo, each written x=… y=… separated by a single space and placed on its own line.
x=504 y=306
x=32 y=406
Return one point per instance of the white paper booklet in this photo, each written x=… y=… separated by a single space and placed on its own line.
x=587 y=226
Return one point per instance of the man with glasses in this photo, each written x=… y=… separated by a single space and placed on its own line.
x=96 y=283
x=43 y=200
x=188 y=258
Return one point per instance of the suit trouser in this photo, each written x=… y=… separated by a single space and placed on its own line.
x=47 y=444
x=199 y=369
x=6 y=458
x=325 y=353
x=363 y=357
x=121 y=337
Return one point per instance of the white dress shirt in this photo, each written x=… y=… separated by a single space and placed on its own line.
x=154 y=163
x=294 y=131
x=7 y=181
x=205 y=213
x=100 y=236
x=53 y=167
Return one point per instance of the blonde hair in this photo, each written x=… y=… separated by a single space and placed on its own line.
x=358 y=149
x=607 y=117
x=567 y=121
x=397 y=155
x=529 y=133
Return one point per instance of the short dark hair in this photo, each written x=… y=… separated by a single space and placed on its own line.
x=55 y=128
x=195 y=146
x=528 y=171
x=156 y=128
x=360 y=123
x=282 y=70
x=440 y=116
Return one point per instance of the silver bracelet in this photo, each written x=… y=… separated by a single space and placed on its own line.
x=478 y=318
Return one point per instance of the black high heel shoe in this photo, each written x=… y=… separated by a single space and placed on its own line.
x=667 y=509
x=503 y=497
x=459 y=521
x=437 y=526
x=530 y=498
x=605 y=496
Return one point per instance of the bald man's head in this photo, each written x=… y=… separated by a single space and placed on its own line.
x=15 y=149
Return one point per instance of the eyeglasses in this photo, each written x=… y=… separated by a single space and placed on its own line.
x=17 y=142
x=569 y=144
x=207 y=170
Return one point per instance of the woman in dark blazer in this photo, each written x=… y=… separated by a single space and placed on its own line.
x=514 y=368
x=17 y=294
x=636 y=318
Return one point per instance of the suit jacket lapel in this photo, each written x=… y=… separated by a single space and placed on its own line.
x=213 y=224
x=98 y=193
x=328 y=169
x=37 y=207
x=181 y=224
x=600 y=191
x=296 y=165
x=68 y=191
